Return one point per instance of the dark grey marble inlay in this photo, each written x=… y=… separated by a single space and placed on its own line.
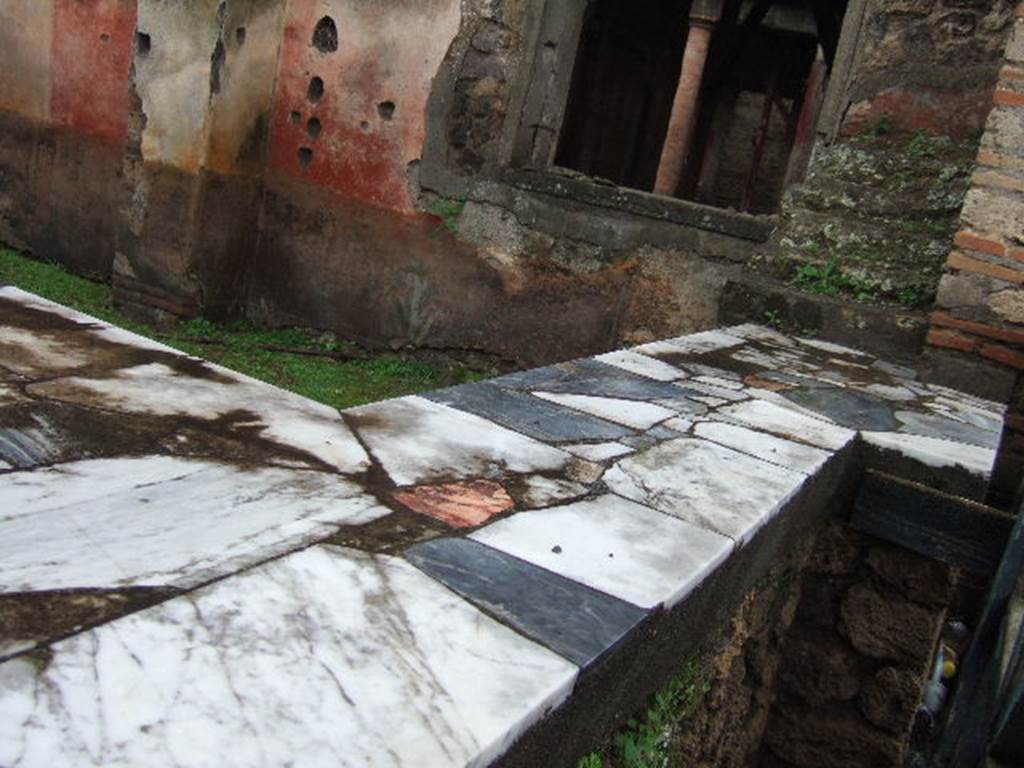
x=571 y=619
x=846 y=407
x=589 y=377
x=931 y=425
x=527 y=414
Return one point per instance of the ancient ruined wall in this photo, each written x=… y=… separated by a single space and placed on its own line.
x=378 y=185
x=64 y=69
x=857 y=654
x=203 y=82
x=370 y=100
x=347 y=243
x=927 y=64
x=977 y=330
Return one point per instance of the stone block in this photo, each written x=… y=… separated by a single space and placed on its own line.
x=1008 y=305
x=885 y=627
x=919 y=578
x=994 y=214
x=889 y=699
x=966 y=290
x=810 y=738
x=819 y=670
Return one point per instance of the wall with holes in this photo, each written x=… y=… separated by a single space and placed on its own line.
x=354 y=78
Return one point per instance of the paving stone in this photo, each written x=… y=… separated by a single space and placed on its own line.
x=846 y=407
x=786 y=422
x=461 y=505
x=529 y=415
x=571 y=619
x=935 y=452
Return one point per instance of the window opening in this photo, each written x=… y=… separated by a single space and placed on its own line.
x=713 y=101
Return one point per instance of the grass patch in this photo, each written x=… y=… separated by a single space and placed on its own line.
x=448 y=210
x=293 y=359
x=645 y=741
x=830 y=280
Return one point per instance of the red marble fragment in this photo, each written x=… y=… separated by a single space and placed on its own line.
x=460 y=505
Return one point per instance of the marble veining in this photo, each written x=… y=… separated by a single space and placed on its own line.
x=617 y=546
x=328 y=657
x=775 y=450
x=571 y=619
x=629 y=413
x=161 y=521
x=420 y=441
x=160 y=390
x=706 y=484
x=934 y=451
x=784 y=422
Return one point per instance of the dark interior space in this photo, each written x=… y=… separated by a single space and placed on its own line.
x=625 y=79
x=761 y=88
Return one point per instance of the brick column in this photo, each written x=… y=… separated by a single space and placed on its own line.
x=978 y=326
x=703 y=17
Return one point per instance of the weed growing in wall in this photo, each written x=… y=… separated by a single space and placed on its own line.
x=644 y=742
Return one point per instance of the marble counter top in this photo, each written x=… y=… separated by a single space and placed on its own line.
x=198 y=569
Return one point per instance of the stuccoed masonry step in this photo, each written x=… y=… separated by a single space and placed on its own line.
x=932 y=207
x=258 y=579
x=893 y=333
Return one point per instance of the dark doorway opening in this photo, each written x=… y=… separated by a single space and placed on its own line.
x=758 y=91
x=627 y=68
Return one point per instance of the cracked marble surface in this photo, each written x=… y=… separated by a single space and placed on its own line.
x=548 y=512
x=249 y=671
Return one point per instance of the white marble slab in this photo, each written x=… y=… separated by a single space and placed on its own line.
x=753 y=332
x=629 y=413
x=420 y=441
x=160 y=390
x=935 y=452
x=599 y=451
x=533 y=491
x=775 y=450
x=694 y=344
x=787 y=423
x=161 y=521
x=706 y=484
x=641 y=365
x=326 y=659
x=613 y=545
x=38 y=353
x=832 y=348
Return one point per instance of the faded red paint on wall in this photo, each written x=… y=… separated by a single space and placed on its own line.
x=943 y=113
x=386 y=56
x=92 y=58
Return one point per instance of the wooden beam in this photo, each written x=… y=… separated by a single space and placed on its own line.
x=934 y=524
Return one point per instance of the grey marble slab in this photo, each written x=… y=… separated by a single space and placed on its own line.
x=533 y=416
x=589 y=377
x=846 y=407
x=571 y=619
x=930 y=425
